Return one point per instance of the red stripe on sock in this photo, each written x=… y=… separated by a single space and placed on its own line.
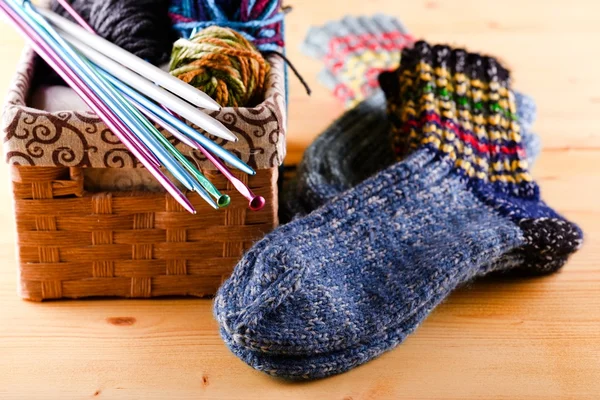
x=336 y=58
x=466 y=136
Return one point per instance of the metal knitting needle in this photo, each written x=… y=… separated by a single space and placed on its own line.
x=206 y=187
x=65 y=4
x=135 y=121
x=100 y=88
x=51 y=57
x=256 y=203
x=133 y=62
x=208 y=144
x=158 y=94
x=222 y=200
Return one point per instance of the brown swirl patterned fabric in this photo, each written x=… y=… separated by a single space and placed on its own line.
x=81 y=139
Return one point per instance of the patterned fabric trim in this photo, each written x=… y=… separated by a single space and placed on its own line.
x=81 y=139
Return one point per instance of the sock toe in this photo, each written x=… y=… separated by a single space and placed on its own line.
x=550 y=243
x=263 y=280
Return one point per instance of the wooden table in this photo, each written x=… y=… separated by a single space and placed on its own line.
x=496 y=339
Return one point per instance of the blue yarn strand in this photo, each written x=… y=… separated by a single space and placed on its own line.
x=214 y=13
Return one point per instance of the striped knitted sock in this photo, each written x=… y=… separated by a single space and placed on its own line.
x=355 y=50
x=335 y=289
x=356 y=146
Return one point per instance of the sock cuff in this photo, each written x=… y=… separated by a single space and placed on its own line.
x=460 y=105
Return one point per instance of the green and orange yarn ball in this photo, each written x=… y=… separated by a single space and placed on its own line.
x=223 y=64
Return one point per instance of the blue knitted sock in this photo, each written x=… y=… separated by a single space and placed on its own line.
x=334 y=289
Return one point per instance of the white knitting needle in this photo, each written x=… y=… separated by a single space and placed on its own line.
x=132 y=62
x=161 y=96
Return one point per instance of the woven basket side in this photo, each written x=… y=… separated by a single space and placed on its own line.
x=75 y=244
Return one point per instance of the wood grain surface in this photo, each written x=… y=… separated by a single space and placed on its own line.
x=496 y=339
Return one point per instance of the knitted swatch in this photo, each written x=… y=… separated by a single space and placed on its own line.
x=351 y=280
x=355 y=50
x=356 y=146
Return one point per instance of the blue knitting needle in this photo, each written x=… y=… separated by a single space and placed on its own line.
x=132 y=95
x=71 y=59
x=138 y=99
x=119 y=104
x=222 y=200
x=141 y=126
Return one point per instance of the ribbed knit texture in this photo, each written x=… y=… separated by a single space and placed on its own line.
x=336 y=288
x=356 y=146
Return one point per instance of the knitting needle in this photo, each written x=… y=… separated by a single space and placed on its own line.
x=224 y=154
x=51 y=57
x=222 y=200
x=138 y=99
x=256 y=202
x=118 y=104
x=133 y=62
x=135 y=121
x=174 y=103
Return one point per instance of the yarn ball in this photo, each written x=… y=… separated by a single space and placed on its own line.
x=142 y=27
x=223 y=64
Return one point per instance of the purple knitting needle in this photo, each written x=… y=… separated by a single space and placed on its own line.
x=256 y=202
x=48 y=54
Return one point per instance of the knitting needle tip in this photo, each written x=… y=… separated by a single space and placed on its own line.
x=257 y=203
x=223 y=201
x=210 y=104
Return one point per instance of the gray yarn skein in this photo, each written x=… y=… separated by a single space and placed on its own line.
x=142 y=27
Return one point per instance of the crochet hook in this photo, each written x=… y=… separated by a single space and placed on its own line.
x=133 y=62
x=156 y=93
x=222 y=200
x=136 y=122
x=51 y=57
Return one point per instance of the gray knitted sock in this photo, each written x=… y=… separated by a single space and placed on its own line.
x=356 y=146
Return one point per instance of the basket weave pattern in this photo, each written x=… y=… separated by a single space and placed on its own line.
x=84 y=227
x=77 y=244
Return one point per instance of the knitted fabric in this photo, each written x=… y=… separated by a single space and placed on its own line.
x=355 y=50
x=336 y=288
x=356 y=146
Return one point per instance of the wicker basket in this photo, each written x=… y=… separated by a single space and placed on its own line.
x=78 y=236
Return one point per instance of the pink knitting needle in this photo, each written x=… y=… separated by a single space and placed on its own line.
x=256 y=203
x=48 y=54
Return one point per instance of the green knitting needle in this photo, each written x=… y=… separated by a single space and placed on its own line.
x=223 y=200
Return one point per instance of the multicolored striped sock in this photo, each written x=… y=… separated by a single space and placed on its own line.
x=356 y=146
x=335 y=289
x=355 y=50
